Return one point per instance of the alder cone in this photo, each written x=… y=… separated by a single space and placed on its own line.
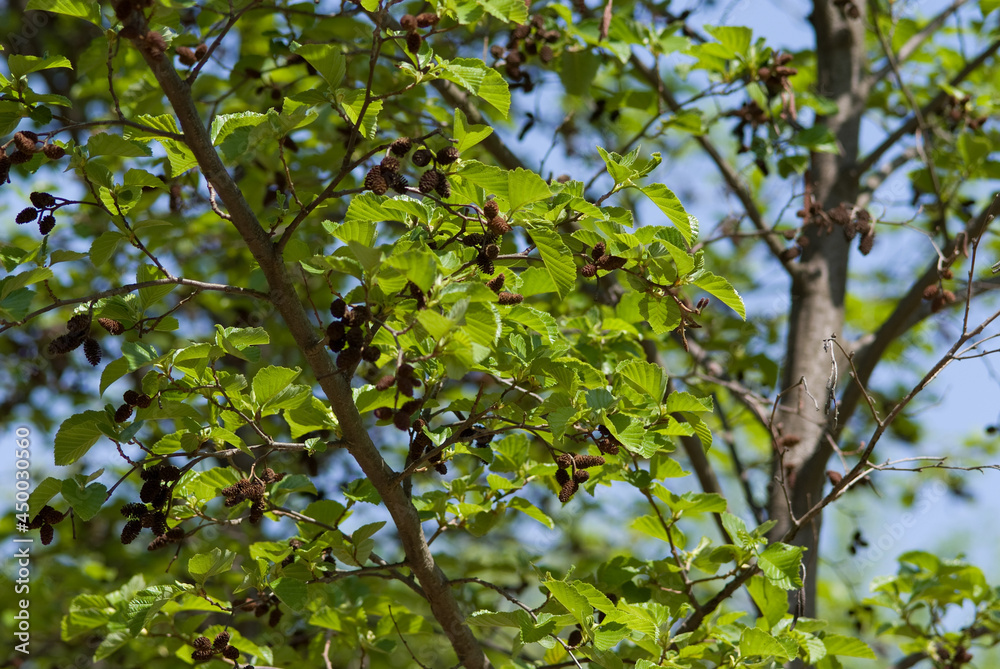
x=413 y=41
x=401 y=146
x=123 y=413
x=610 y=263
x=385 y=382
x=496 y=283
x=371 y=354
x=131 y=531
x=562 y=476
x=588 y=270
x=598 y=250
x=390 y=164
x=867 y=242
x=564 y=461
x=498 y=225
x=112 y=326
x=92 y=351
x=428 y=180
x=447 y=155
x=338 y=308
x=202 y=642
x=47 y=533
x=568 y=490
x=443 y=188
x=491 y=209
x=26 y=215
x=930 y=291
x=508 y=299
x=232 y=652
x=143 y=401
x=25 y=141
x=66 y=343
x=408 y=22
x=42 y=200
x=375 y=181
x=221 y=640
x=422 y=157
x=587 y=461
x=53 y=152
x=186 y=55
x=427 y=19
x=383 y=413
x=581 y=475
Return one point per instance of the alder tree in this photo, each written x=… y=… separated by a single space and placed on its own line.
x=381 y=333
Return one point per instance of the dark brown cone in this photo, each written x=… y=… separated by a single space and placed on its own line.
x=92 y=351
x=398 y=182
x=492 y=251
x=25 y=141
x=133 y=510
x=19 y=158
x=385 y=382
x=401 y=146
x=496 y=283
x=508 y=299
x=355 y=337
x=610 y=263
x=498 y=225
x=447 y=156
x=202 y=642
x=562 y=476
x=202 y=654
x=581 y=475
x=232 y=652
x=427 y=19
x=598 y=250
x=429 y=181
x=53 y=152
x=588 y=270
x=78 y=323
x=485 y=264
x=389 y=164
x=475 y=239
x=867 y=242
x=272 y=620
x=491 y=209
x=112 y=326
x=66 y=343
x=587 y=461
x=443 y=188
x=371 y=353
x=383 y=413
x=564 y=461
x=413 y=41
x=143 y=401
x=930 y=291
x=375 y=182
x=421 y=157
x=568 y=490
x=131 y=531
x=336 y=330
x=257 y=513
x=26 y=215
x=47 y=533
x=185 y=54
x=155 y=44
x=402 y=420
x=338 y=308
x=546 y=54
x=608 y=446
x=50 y=515
x=348 y=359
x=408 y=22
x=42 y=200
x=123 y=413
x=201 y=51
x=221 y=640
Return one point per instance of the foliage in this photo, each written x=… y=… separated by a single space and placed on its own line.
x=348 y=325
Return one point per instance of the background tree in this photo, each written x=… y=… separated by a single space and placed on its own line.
x=513 y=326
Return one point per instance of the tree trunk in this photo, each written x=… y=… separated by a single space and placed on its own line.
x=817 y=293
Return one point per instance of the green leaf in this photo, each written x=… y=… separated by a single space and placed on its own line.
x=682 y=400
x=769 y=598
x=570 y=597
x=524 y=187
x=511 y=11
x=474 y=76
x=757 y=642
x=42 y=493
x=619 y=172
x=206 y=565
x=735 y=38
x=12 y=283
x=837 y=644
x=540 y=321
x=76 y=435
x=670 y=205
x=647 y=378
x=88 y=11
x=291 y=591
x=530 y=510
x=270 y=381
x=781 y=564
x=557 y=259
x=22 y=65
x=86 y=502
x=107 y=144
x=818 y=138
x=326 y=58
x=722 y=289
x=466 y=135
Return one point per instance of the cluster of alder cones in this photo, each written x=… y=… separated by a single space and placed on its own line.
x=602 y=260
x=252 y=490
x=573 y=471
x=205 y=648
x=853 y=221
x=43 y=206
x=526 y=40
x=131 y=399
x=387 y=174
x=26 y=143
x=158 y=482
x=348 y=330
x=411 y=23
x=264 y=603
x=78 y=333
x=44 y=520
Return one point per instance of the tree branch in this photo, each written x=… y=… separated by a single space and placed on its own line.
x=336 y=388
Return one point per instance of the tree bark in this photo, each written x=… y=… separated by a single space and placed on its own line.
x=817 y=292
